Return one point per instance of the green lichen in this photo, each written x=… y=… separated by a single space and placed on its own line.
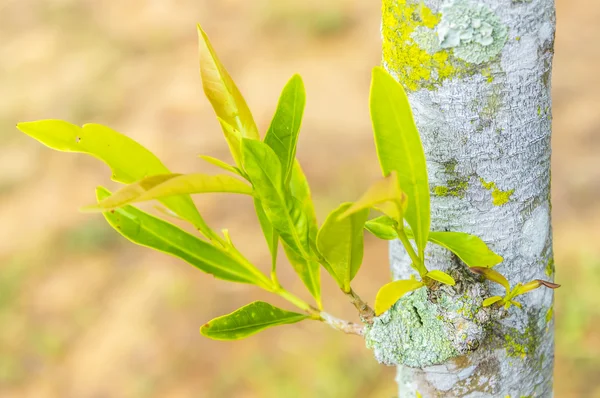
x=550 y=267
x=411 y=47
x=524 y=344
x=472 y=30
x=456 y=187
x=499 y=197
x=549 y=314
x=428 y=327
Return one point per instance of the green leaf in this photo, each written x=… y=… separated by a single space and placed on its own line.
x=166 y=185
x=282 y=135
x=399 y=149
x=145 y=230
x=522 y=289
x=271 y=236
x=308 y=270
x=128 y=160
x=469 y=248
x=221 y=91
x=392 y=292
x=384 y=190
x=382 y=227
x=340 y=242
x=492 y=275
x=491 y=300
x=285 y=214
x=221 y=164
x=249 y=320
x=441 y=277
x=300 y=190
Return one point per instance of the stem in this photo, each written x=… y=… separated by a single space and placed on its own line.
x=365 y=312
x=418 y=264
x=341 y=325
x=298 y=302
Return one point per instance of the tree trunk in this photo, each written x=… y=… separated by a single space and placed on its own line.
x=478 y=77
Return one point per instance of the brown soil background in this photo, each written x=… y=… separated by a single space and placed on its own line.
x=83 y=313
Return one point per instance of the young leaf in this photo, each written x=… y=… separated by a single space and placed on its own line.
x=399 y=149
x=234 y=141
x=491 y=300
x=221 y=164
x=441 y=277
x=308 y=270
x=300 y=190
x=282 y=135
x=384 y=190
x=249 y=320
x=285 y=214
x=145 y=230
x=392 y=292
x=522 y=289
x=469 y=248
x=128 y=160
x=221 y=91
x=340 y=242
x=166 y=185
x=492 y=275
x=383 y=227
x=271 y=236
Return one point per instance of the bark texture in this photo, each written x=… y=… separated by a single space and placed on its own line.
x=478 y=76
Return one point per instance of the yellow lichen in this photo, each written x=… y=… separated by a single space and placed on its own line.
x=414 y=66
x=499 y=197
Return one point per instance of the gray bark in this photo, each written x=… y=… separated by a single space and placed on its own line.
x=484 y=114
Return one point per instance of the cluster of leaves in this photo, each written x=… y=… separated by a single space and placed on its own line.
x=268 y=172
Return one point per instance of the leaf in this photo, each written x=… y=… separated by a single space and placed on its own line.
x=128 y=160
x=234 y=141
x=392 y=292
x=491 y=300
x=145 y=230
x=469 y=248
x=308 y=270
x=221 y=91
x=285 y=214
x=341 y=242
x=399 y=149
x=282 y=135
x=384 y=190
x=522 y=289
x=166 y=185
x=441 y=277
x=221 y=164
x=492 y=275
x=271 y=236
x=300 y=190
x=249 y=320
x=382 y=227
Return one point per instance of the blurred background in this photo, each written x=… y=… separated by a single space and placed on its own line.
x=83 y=313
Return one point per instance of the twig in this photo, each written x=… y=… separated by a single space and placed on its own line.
x=365 y=312
x=341 y=325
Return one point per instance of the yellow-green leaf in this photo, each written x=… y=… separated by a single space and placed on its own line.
x=249 y=320
x=221 y=91
x=384 y=190
x=492 y=275
x=469 y=248
x=308 y=270
x=282 y=135
x=146 y=230
x=221 y=164
x=234 y=141
x=491 y=300
x=441 y=277
x=128 y=160
x=383 y=227
x=300 y=190
x=399 y=149
x=392 y=292
x=340 y=242
x=166 y=185
x=522 y=289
